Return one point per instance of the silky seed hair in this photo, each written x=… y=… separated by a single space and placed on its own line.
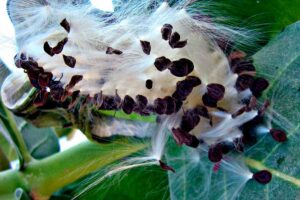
x=161 y=60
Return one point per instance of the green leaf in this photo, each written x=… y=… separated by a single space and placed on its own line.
x=41 y=142
x=279 y=62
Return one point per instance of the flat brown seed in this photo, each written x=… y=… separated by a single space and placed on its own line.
x=44 y=79
x=70 y=61
x=180 y=44
x=166 y=31
x=48 y=49
x=162 y=63
x=60 y=46
x=181 y=67
x=149 y=84
x=216 y=91
x=74 y=80
x=146 y=46
x=175 y=37
x=65 y=24
x=164 y=166
x=111 y=50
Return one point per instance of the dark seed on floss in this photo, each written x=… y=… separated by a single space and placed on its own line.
x=180 y=44
x=44 y=79
x=128 y=104
x=239 y=112
x=74 y=80
x=30 y=65
x=202 y=111
x=74 y=97
x=181 y=67
x=111 y=50
x=183 y=90
x=182 y=137
x=60 y=46
x=70 y=61
x=33 y=72
x=57 y=93
x=226 y=147
x=262 y=176
x=258 y=86
x=162 y=63
x=189 y=120
x=166 y=31
x=141 y=101
x=65 y=24
x=195 y=81
x=164 y=166
x=178 y=104
x=243 y=66
x=146 y=46
x=278 y=135
x=171 y=105
x=41 y=98
x=48 y=49
x=215 y=153
x=160 y=106
x=208 y=101
x=98 y=99
x=236 y=55
x=149 y=84
x=244 y=82
x=109 y=103
x=215 y=91
x=175 y=37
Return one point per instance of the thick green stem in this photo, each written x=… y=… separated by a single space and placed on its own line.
x=42 y=178
x=11 y=126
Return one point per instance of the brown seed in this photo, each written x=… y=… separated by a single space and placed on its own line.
x=111 y=50
x=189 y=120
x=258 y=86
x=128 y=104
x=195 y=81
x=215 y=91
x=181 y=137
x=74 y=80
x=160 y=106
x=44 y=79
x=244 y=82
x=181 y=67
x=171 y=105
x=60 y=46
x=162 y=63
x=262 y=176
x=208 y=101
x=278 y=135
x=149 y=84
x=65 y=24
x=164 y=166
x=146 y=46
x=202 y=111
x=141 y=101
x=166 y=31
x=242 y=66
x=175 y=37
x=70 y=61
x=215 y=153
x=239 y=112
x=48 y=49
x=180 y=44
x=41 y=98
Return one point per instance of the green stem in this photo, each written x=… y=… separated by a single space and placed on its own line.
x=11 y=126
x=42 y=178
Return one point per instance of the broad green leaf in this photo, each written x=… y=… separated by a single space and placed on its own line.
x=279 y=62
x=41 y=142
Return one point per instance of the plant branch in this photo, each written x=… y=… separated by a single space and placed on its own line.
x=44 y=177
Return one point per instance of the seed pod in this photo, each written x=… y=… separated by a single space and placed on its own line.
x=181 y=137
x=278 y=135
x=181 y=67
x=215 y=153
x=111 y=50
x=215 y=91
x=208 y=101
x=65 y=24
x=44 y=79
x=259 y=85
x=70 y=61
x=128 y=104
x=262 y=176
x=243 y=82
x=74 y=80
x=146 y=46
x=162 y=63
x=166 y=31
